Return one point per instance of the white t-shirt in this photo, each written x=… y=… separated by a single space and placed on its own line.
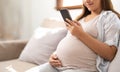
x=75 y=54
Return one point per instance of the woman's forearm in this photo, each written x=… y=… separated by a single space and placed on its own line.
x=100 y=48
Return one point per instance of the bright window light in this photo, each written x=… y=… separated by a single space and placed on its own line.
x=71 y=2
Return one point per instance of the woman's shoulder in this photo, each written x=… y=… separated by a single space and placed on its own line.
x=111 y=18
x=109 y=14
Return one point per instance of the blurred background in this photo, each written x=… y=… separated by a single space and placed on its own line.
x=19 y=18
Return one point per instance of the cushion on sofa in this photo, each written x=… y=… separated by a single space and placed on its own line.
x=42 y=44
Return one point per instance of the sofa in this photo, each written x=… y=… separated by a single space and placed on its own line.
x=14 y=55
x=22 y=55
x=9 y=53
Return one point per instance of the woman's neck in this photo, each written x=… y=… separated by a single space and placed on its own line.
x=96 y=12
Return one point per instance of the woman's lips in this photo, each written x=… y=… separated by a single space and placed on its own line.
x=89 y=4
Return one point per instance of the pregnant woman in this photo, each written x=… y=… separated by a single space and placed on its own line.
x=91 y=41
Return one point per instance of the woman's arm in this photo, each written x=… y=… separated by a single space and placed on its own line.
x=100 y=48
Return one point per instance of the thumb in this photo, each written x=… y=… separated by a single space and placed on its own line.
x=55 y=56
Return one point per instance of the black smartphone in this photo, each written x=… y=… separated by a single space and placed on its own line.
x=65 y=14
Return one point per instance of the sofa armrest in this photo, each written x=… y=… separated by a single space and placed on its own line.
x=11 y=49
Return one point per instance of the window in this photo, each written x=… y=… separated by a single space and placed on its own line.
x=69 y=4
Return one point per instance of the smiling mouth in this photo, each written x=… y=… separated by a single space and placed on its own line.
x=90 y=4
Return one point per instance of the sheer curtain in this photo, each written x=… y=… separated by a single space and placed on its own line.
x=13 y=18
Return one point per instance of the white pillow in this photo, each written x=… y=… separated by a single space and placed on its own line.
x=114 y=65
x=42 y=44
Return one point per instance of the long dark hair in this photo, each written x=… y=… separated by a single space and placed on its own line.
x=106 y=5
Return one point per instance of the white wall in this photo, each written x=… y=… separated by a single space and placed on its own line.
x=42 y=9
x=34 y=12
x=116 y=4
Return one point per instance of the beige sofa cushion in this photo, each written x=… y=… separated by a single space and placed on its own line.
x=16 y=65
x=11 y=49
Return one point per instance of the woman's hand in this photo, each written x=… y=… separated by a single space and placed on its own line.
x=74 y=27
x=54 y=61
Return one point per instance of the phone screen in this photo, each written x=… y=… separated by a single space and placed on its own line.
x=65 y=14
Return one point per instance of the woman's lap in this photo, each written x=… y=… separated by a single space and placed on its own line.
x=74 y=71
x=43 y=68
x=48 y=68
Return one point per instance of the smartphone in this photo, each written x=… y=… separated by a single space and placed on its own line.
x=65 y=14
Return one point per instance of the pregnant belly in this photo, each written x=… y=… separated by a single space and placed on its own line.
x=72 y=52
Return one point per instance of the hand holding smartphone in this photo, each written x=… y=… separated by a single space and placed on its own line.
x=65 y=14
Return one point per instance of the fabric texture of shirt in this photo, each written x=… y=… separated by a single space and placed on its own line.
x=108 y=32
